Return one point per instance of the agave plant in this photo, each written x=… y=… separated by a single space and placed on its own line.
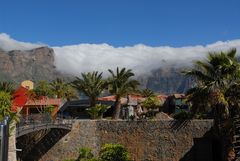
x=97 y=111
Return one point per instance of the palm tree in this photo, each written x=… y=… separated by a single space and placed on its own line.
x=147 y=93
x=5 y=104
x=195 y=96
x=70 y=93
x=217 y=86
x=232 y=95
x=7 y=87
x=91 y=84
x=43 y=88
x=121 y=85
x=214 y=76
x=58 y=87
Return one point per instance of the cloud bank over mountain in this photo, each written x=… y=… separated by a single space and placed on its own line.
x=7 y=43
x=75 y=59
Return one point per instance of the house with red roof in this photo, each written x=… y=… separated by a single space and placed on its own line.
x=22 y=102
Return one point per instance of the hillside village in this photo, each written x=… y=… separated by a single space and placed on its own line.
x=48 y=105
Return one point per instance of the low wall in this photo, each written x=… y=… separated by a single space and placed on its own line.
x=161 y=140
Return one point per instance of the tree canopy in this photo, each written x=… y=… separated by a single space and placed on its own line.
x=91 y=84
x=120 y=85
x=215 y=77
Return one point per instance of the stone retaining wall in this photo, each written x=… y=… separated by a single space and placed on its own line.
x=161 y=140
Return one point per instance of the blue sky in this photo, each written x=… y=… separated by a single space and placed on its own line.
x=174 y=23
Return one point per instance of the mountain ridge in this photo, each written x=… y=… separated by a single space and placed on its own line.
x=38 y=64
x=35 y=64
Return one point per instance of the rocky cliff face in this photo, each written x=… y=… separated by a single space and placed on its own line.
x=36 y=64
x=166 y=80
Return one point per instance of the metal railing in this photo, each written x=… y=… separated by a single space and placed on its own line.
x=38 y=122
x=4 y=134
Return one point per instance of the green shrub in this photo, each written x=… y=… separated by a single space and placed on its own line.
x=97 y=111
x=114 y=152
x=108 y=152
x=151 y=102
x=5 y=104
x=92 y=159
x=69 y=160
x=48 y=110
x=85 y=153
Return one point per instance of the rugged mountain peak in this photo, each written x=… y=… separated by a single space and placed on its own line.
x=35 y=64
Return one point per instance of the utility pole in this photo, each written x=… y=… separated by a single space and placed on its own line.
x=4 y=136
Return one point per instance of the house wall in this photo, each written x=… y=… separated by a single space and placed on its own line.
x=161 y=140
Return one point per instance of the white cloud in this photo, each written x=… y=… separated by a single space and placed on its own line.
x=7 y=43
x=75 y=59
x=141 y=58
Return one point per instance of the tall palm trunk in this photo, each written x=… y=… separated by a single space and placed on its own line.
x=117 y=108
x=92 y=102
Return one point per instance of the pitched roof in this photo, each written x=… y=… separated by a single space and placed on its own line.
x=20 y=99
x=179 y=95
x=133 y=99
x=44 y=101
